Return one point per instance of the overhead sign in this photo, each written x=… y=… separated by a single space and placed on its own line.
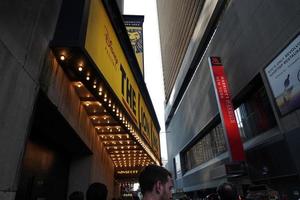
x=104 y=48
x=223 y=95
x=283 y=74
x=134 y=26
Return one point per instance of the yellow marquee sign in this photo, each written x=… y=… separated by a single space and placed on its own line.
x=104 y=48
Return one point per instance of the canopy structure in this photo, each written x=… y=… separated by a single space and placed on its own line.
x=92 y=46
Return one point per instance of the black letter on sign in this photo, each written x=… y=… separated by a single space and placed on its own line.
x=123 y=77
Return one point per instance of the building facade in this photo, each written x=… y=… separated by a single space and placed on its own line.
x=258 y=43
x=74 y=106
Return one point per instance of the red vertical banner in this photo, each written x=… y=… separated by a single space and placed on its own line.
x=234 y=142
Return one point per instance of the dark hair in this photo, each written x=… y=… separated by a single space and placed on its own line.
x=76 y=195
x=227 y=191
x=96 y=191
x=150 y=175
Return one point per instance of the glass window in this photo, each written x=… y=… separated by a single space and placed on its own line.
x=208 y=147
x=254 y=115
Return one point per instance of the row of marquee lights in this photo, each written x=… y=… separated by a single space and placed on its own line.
x=101 y=93
x=108 y=138
x=130 y=161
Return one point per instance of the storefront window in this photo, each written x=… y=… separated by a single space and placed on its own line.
x=254 y=115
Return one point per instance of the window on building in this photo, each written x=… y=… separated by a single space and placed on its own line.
x=254 y=114
x=208 y=147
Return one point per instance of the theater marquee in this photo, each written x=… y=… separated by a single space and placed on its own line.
x=91 y=44
x=104 y=48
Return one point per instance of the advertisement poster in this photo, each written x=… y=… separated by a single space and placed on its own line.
x=234 y=142
x=134 y=26
x=283 y=74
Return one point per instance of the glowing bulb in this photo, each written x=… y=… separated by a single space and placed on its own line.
x=80 y=68
x=62 y=57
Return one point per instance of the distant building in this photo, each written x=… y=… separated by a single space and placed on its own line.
x=259 y=45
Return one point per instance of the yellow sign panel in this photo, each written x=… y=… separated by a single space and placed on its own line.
x=104 y=48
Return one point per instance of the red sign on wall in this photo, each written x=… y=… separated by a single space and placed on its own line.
x=231 y=129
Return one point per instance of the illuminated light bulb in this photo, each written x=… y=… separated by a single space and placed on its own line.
x=80 y=68
x=62 y=57
x=87 y=78
x=94 y=86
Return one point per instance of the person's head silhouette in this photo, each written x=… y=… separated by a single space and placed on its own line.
x=96 y=191
x=227 y=191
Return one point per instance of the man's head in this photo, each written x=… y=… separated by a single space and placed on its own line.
x=96 y=191
x=77 y=195
x=156 y=181
x=227 y=191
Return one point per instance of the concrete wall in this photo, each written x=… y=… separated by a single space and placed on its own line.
x=26 y=66
x=26 y=29
x=249 y=36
